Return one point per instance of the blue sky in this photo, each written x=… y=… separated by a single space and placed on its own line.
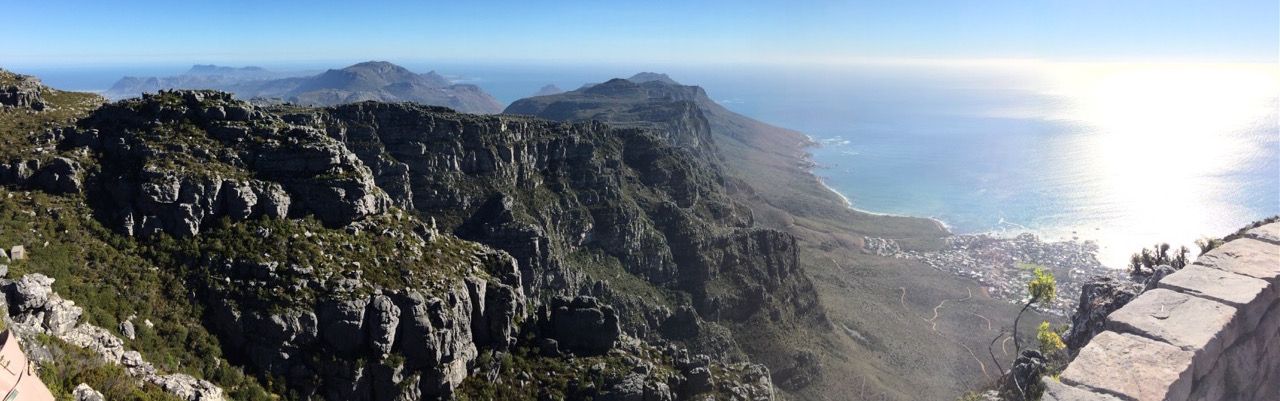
x=54 y=32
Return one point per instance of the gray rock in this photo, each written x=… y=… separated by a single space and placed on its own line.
x=1025 y=373
x=61 y=315
x=238 y=200
x=1246 y=256
x=1249 y=295
x=30 y=292
x=1185 y=321
x=1098 y=299
x=1158 y=273
x=342 y=325
x=628 y=388
x=215 y=113
x=658 y=391
x=583 y=325
x=1267 y=233
x=699 y=381
x=83 y=392
x=188 y=388
x=60 y=176
x=1131 y=367
x=383 y=319
x=1056 y=391
x=549 y=347
x=127 y=329
x=238 y=113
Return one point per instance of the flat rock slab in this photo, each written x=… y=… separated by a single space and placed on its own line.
x=1246 y=256
x=1269 y=233
x=1056 y=391
x=1188 y=322
x=1132 y=368
x=1222 y=286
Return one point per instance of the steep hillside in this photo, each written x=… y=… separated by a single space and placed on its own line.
x=372 y=80
x=900 y=329
x=384 y=251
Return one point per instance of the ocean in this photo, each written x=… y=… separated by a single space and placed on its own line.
x=1126 y=155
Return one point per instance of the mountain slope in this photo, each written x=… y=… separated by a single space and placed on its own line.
x=382 y=251
x=885 y=334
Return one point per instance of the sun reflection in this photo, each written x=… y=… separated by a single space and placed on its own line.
x=1160 y=138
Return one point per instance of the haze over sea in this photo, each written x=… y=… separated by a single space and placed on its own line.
x=1122 y=154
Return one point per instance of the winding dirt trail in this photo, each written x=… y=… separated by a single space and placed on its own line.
x=933 y=323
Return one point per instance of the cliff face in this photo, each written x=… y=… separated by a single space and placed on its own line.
x=875 y=332
x=550 y=193
x=393 y=251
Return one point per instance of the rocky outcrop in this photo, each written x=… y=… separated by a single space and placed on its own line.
x=391 y=344
x=83 y=392
x=583 y=325
x=176 y=161
x=32 y=308
x=1210 y=331
x=1098 y=299
x=20 y=91
x=475 y=166
x=363 y=320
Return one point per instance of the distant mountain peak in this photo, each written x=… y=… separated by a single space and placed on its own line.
x=548 y=90
x=375 y=65
x=652 y=77
x=369 y=80
x=214 y=69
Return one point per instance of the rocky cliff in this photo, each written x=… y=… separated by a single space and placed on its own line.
x=875 y=337
x=392 y=251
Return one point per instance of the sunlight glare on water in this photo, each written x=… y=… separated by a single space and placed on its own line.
x=1160 y=143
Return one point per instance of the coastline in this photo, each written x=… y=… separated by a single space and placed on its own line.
x=942 y=225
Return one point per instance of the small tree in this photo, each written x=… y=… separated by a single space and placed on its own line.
x=1207 y=244
x=1043 y=288
x=1143 y=263
x=1049 y=339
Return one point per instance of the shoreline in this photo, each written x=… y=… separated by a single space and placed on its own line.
x=947 y=229
x=942 y=225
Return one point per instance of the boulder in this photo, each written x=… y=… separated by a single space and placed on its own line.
x=583 y=325
x=699 y=381
x=60 y=176
x=127 y=329
x=29 y=293
x=1098 y=299
x=188 y=388
x=83 y=392
x=1024 y=375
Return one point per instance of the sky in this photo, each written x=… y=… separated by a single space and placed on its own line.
x=56 y=32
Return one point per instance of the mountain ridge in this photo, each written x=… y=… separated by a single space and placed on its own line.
x=370 y=80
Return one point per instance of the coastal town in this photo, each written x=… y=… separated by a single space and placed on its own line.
x=1005 y=264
